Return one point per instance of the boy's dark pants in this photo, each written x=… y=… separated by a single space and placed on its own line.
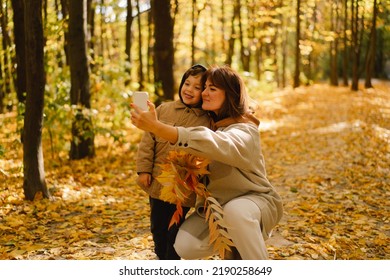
x=164 y=238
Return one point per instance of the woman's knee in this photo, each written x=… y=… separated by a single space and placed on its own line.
x=239 y=210
x=183 y=244
x=189 y=247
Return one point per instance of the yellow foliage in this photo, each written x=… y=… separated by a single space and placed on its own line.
x=180 y=178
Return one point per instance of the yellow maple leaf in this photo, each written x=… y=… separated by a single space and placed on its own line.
x=180 y=175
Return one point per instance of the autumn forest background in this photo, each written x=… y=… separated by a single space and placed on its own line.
x=319 y=72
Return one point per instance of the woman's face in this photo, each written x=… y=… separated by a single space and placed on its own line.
x=213 y=98
x=191 y=91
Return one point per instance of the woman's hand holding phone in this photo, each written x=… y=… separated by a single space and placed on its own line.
x=140 y=98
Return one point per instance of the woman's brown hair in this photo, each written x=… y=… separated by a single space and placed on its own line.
x=236 y=101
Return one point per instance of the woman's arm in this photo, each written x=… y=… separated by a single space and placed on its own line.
x=147 y=121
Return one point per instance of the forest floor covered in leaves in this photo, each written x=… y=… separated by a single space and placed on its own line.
x=327 y=151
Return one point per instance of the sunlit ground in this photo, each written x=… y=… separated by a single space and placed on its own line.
x=326 y=149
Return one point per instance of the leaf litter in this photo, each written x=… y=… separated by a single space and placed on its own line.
x=327 y=151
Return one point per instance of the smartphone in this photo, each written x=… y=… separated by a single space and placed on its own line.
x=140 y=99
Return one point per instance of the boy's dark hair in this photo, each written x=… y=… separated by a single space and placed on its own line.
x=236 y=102
x=195 y=70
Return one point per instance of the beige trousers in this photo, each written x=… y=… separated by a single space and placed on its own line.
x=243 y=218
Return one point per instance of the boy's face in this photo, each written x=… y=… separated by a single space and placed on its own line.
x=191 y=91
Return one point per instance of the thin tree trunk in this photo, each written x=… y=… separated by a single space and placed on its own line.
x=345 y=41
x=33 y=166
x=333 y=46
x=19 y=34
x=141 y=78
x=195 y=17
x=6 y=44
x=223 y=26
x=232 y=38
x=297 y=50
x=357 y=32
x=91 y=11
x=65 y=13
x=102 y=31
x=150 y=48
x=244 y=51
x=129 y=23
x=2 y=92
x=193 y=31
x=82 y=144
x=371 y=49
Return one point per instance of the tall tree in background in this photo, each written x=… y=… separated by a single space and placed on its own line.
x=91 y=11
x=195 y=14
x=129 y=23
x=2 y=93
x=244 y=50
x=149 y=61
x=297 y=47
x=33 y=167
x=19 y=35
x=232 y=37
x=357 y=38
x=65 y=19
x=333 y=48
x=82 y=144
x=163 y=49
x=371 y=49
x=345 y=44
x=141 y=79
x=284 y=46
x=6 y=49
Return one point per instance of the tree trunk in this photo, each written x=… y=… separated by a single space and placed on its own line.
x=333 y=46
x=163 y=49
x=195 y=13
x=381 y=54
x=223 y=26
x=33 y=167
x=91 y=11
x=6 y=43
x=19 y=34
x=150 y=48
x=371 y=49
x=65 y=12
x=129 y=23
x=141 y=79
x=345 y=41
x=2 y=93
x=297 y=50
x=193 y=31
x=356 y=32
x=82 y=144
x=232 y=38
x=244 y=50
x=102 y=31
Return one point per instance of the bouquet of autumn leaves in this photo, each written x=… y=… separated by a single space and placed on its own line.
x=180 y=178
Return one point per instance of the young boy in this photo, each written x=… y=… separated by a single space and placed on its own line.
x=186 y=112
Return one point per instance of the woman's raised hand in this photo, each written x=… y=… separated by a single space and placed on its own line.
x=145 y=120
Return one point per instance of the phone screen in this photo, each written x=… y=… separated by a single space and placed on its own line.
x=140 y=99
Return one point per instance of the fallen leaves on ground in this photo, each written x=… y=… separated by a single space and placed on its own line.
x=329 y=156
x=327 y=151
